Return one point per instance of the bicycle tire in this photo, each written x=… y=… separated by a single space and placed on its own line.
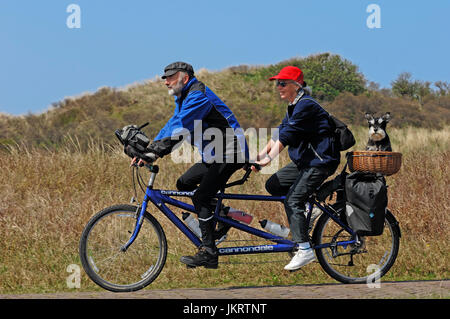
x=105 y=233
x=342 y=272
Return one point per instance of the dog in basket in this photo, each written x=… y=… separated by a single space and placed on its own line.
x=378 y=138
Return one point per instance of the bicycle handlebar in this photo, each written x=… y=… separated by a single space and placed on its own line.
x=248 y=170
x=143 y=125
x=155 y=169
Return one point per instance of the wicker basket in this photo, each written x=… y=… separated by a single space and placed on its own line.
x=386 y=163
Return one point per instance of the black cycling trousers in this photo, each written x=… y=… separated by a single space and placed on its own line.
x=208 y=179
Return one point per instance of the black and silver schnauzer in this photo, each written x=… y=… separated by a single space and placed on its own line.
x=378 y=138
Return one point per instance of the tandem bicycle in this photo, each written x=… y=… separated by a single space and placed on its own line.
x=123 y=247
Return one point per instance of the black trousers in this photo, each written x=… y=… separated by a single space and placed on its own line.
x=297 y=184
x=208 y=179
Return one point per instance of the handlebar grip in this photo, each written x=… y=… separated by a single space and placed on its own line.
x=248 y=166
x=257 y=166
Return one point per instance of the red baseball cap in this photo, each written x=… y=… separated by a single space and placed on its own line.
x=289 y=73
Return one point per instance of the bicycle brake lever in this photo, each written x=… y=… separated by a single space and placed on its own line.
x=136 y=164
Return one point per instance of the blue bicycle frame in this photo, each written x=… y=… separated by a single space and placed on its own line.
x=160 y=198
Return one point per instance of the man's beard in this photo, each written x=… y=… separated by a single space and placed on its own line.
x=177 y=88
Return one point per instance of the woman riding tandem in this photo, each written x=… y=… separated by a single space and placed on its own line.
x=307 y=132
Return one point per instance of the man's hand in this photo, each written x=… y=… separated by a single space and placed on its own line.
x=138 y=157
x=144 y=159
x=137 y=161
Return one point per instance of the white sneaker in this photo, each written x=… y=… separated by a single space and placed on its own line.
x=300 y=259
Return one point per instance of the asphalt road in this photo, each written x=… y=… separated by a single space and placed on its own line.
x=433 y=289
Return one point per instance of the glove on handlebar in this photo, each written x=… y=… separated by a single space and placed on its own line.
x=131 y=135
x=132 y=152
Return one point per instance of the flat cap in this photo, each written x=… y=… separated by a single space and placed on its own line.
x=173 y=68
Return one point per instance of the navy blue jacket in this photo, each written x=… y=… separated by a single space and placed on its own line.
x=197 y=110
x=307 y=131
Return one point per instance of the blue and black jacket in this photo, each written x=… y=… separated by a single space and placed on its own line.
x=306 y=129
x=206 y=122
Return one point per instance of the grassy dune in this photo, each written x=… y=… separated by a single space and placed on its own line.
x=48 y=196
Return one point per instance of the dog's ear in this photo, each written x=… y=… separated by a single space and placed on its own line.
x=368 y=116
x=387 y=117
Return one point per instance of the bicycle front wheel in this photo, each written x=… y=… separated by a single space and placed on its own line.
x=110 y=267
x=363 y=262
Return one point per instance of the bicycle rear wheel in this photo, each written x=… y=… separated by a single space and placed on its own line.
x=110 y=267
x=364 y=262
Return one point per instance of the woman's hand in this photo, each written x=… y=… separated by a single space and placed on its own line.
x=273 y=148
x=263 y=162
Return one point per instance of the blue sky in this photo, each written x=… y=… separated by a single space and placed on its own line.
x=123 y=42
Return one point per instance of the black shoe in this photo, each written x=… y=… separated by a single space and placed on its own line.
x=202 y=258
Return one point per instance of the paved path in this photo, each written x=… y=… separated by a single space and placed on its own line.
x=404 y=290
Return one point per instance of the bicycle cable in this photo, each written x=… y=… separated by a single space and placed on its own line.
x=136 y=177
x=140 y=180
x=134 y=198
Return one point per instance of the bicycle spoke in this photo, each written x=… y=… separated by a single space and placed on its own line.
x=355 y=262
x=118 y=270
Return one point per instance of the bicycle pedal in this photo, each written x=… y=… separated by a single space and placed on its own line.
x=221 y=239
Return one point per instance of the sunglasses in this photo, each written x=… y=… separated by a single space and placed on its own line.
x=282 y=83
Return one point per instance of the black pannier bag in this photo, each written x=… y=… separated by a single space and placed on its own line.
x=366 y=203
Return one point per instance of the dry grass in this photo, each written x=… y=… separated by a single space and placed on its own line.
x=47 y=197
